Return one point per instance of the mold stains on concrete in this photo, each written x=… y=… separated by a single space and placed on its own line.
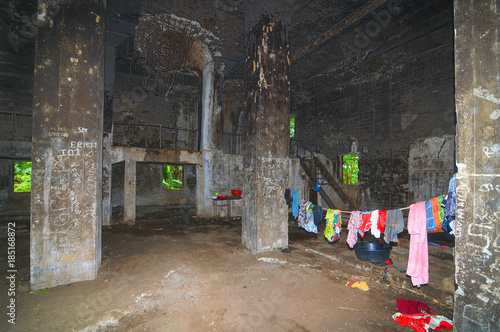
x=66 y=169
x=478 y=157
x=266 y=134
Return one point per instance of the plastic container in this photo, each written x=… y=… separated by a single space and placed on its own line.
x=372 y=252
x=222 y=197
x=236 y=193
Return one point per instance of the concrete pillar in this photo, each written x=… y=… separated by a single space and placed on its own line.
x=107 y=139
x=67 y=134
x=266 y=129
x=129 y=191
x=477 y=245
x=208 y=109
x=211 y=136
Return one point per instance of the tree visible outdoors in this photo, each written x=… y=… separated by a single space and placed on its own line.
x=172 y=177
x=292 y=127
x=22 y=176
x=350 y=169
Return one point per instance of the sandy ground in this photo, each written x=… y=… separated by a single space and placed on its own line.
x=197 y=276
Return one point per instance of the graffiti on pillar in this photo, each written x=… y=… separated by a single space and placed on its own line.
x=64 y=172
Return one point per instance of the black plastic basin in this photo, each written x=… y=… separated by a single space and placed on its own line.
x=372 y=252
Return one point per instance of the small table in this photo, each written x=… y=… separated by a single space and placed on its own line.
x=217 y=203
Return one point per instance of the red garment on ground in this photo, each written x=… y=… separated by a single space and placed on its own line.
x=382 y=216
x=423 y=322
x=412 y=307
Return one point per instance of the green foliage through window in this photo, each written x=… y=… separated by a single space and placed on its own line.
x=350 y=169
x=172 y=177
x=292 y=127
x=22 y=176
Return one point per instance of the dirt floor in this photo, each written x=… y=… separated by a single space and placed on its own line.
x=197 y=276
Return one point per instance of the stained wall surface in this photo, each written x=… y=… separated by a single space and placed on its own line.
x=386 y=83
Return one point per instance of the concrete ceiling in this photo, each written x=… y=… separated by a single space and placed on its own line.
x=313 y=23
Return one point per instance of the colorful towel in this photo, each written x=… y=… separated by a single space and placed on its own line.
x=333 y=225
x=418 y=259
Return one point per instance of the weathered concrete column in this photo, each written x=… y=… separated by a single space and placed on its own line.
x=477 y=245
x=266 y=130
x=67 y=134
x=211 y=134
x=129 y=191
x=107 y=139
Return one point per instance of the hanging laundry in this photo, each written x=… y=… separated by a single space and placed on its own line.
x=295 y=203
x=374 y=222
x=333 y=225
x=318 y=215
x=382 y=216
x=394 y=225
x=366 y=224
x=441 y=199
x=302 y=221
x=355 y=222
x=431 y=223
x=448 y=224
x=423 y=322
x=418 y=260
x=288 y=197
x=310 y=226
x=451 y=198
x=436 y=212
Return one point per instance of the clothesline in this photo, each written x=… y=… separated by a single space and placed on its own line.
x=403 y=208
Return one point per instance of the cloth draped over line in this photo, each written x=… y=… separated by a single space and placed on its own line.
x=303 y=206
x=418 y=260
x=394 y=225
x=374 y=221
x=353 y=226
x=310 y=226
x=295 y=203
x=333 y=225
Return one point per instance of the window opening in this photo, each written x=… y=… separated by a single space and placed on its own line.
x=292 y=127
x=350 y=169
x=22 y=176
x=172 y=177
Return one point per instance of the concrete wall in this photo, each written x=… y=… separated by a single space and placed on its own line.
x=16 y=109
x=180 y=109
x=385 y=84
x=232 y=120
x=431 y=164
x=150 y=189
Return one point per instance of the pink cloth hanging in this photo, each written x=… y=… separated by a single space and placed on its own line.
x=418 y=260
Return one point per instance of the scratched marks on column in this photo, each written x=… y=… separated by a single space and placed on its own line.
x=70 y=198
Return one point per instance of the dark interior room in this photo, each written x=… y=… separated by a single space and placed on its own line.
x=243 y=165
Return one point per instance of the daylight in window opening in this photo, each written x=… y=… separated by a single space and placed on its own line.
x=22 y=176
x=350 y=169
x=172 y=177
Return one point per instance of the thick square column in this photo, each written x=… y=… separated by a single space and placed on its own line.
x=266 y=130
x=477 y=243
x=67 y=136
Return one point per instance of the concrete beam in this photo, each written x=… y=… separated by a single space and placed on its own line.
x=339 y=28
